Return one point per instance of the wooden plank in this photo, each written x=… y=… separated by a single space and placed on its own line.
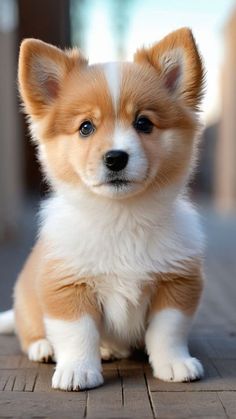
x=106 y=400
x=127 y=364
x=25 y=380
x=9 y=345
x=26 y=363
x=10 y=381
x=4 y=376
x=17 y=380
x=200 y=347
x=228 y=401
x=227 y=372
x=136 y=395
x=10 y=361
x=44 y=378
x=188 y=405
x=222 y=347
x=27 y=405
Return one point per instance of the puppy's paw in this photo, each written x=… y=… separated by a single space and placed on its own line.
x=179 y=370
x=76 y=376
x=40 y=351
x=108 y=354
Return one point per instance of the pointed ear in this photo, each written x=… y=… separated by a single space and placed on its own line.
x=178 y=63
x=42 y=69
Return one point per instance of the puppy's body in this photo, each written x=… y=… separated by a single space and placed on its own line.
x=118 y=261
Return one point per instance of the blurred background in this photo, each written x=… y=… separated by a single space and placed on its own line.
x=112 y=30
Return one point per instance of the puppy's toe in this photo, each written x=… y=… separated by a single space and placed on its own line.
x=76 y=376
x=180 y=370
x=108 y=354
x=40 y=351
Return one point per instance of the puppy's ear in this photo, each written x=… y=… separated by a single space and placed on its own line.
x=178 y=63
x=42 y=69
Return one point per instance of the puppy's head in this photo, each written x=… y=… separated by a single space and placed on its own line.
x=118 y=128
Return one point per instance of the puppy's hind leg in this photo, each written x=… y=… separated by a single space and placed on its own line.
x=28 y=314
x=30 y=327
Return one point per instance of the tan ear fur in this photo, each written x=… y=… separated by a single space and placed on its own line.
x=42 y=69
x=177 y=61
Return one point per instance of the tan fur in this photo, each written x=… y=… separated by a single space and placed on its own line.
x=178 y=291
x=194 y=74
x=65 y=297
x=47 y=288
x=27 y=305
x=36 y=100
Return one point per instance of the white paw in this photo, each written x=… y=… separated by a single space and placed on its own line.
x=108 y=354
x=76 y=376
x=40 y=351
x=179 y=370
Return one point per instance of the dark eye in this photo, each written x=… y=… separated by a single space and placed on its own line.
x=86 y=128
x=143 y=124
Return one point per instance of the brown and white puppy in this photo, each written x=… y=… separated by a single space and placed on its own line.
x=118 y=260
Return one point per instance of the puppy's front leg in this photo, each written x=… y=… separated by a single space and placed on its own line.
x=174 y=303
x=71 y=323
x=76 y=345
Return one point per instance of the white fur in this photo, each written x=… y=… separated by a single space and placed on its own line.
x=112 y=73
x=7 y=322
x=166 y=342
x=97 y=236
x=40 y=351
x=77 y=352
x=123 y=309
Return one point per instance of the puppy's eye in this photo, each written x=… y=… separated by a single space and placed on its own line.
x=143 y=124
x=86 y=129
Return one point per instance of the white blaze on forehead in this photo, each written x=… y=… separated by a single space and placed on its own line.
x=112 y=73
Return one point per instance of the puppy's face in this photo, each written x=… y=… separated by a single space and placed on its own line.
x=115 y=128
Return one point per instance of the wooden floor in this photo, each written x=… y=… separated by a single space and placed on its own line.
x=129 y=390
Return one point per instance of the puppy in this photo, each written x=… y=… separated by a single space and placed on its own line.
x=118 y=260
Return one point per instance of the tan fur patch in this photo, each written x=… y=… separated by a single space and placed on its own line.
x=63 y=296
x=180 y=291
x=194 y=74
x=27 y=306
x=35 y=87
x=47 y=288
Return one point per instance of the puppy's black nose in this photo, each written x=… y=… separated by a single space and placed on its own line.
x=116 y=160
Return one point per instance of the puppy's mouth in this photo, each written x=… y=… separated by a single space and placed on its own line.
x=118 y=183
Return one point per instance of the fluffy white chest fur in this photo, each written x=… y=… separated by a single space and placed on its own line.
x=119 y=247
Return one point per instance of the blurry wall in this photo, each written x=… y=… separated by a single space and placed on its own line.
x=11 y=161
x=48 y=20
x=20 y=177
x=225 y=173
